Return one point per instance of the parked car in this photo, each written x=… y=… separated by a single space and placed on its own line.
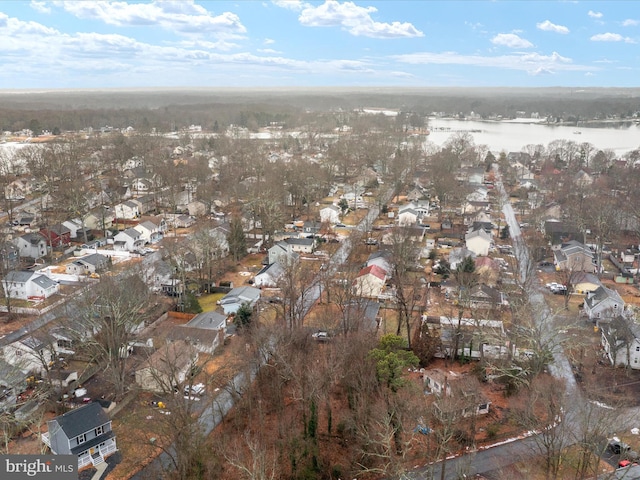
x=617 y=447
x=321 y=336
x=197 y=389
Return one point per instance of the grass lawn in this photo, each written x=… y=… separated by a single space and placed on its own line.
x=208 y=302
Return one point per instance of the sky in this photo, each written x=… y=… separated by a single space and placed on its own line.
x=295 y=43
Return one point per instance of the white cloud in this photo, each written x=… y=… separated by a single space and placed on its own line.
x=183 y=16
x=40 y=7
x=589 y=74
x=593 y=14
x=269 y=41
x=511 y=40
x=296 y=5
x=354 y=19
x=630 y=22
x=547 y=26
x=269 y=51
x=611 y=37
x=532 y=63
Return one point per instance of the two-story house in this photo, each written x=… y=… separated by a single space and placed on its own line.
x=620 y=340
x=128 y=240
x=85 y=432
x=27 y=285
x=603 y=303
x=149 y=231
x=31 y=245
x=57 y=235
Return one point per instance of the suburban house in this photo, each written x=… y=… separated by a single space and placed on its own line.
x=380 y=258
x=32 y=245
x=268 y=276
x=128 y=240
x=128 y=210
x=330 y=214
x=100 y=218
x=28 y=285
x=462 y=389
x=300 y=245
x=167 y=368
x=9 y=255
x=204 y=332
x=146 y=203
x=184 y=221
x=477 y=338
x=620 y=339
x=370 y=282
x=603 y=303
x=12 y=382
x=85 y=432
x=88 y=265
x=458 y=255
x=574 y=256
x=77 y=230
x=583 y=282
x=484 y=296
x=219 y=236
x=282 y=253
x=149 y=231
x=31 y=353
x=141 y=185
x=362 y=313
x=478 y=241
x=57 y=235
x=407 y=216
x=558 y=232
x=237 y=297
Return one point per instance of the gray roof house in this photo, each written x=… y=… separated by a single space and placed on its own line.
x=85 y=432
x=93 y=263
x=602 y=303
x=128 y=240
x=238 y=296
x=204 y=332
x=33 y=245
x=27 y=285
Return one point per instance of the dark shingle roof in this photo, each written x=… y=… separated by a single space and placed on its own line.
x=81 y=420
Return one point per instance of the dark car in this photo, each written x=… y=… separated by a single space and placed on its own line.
x=546 y=264
x=617 y=447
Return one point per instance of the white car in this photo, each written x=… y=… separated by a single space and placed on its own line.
x=197 y=389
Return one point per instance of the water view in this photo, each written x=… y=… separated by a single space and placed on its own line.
x=512 y=136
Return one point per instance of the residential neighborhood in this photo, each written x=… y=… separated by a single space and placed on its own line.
x=183 y=292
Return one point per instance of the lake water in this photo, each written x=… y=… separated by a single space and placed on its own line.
x=512 y=136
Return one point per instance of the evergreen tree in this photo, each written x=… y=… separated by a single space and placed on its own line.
x=236 y=239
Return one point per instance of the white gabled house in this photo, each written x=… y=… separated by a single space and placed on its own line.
x=27 y=285
x=149 y=231
x=330 y=214
x=31 y=245
x=128 y=210
x=128 y=240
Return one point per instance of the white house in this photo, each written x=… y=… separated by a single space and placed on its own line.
x=478 y=241
x=149 y=231
x=27 y=285
x=32 y=245
x=90 y=264
x=268 y=276
x=237 y=297
x=620 y=339
x=128 y=210
x=32 y=353
x=128 y=240
x=370 y=282
x=407 y=216
x=331 y=214
x=603 y=302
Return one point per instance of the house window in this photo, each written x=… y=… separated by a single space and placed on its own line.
x=637 y=349
x=81 y=439
x=99 y=430
x=18 y=353
x=483 y=406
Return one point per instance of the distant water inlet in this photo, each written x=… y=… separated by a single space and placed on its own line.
x=512 y=136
